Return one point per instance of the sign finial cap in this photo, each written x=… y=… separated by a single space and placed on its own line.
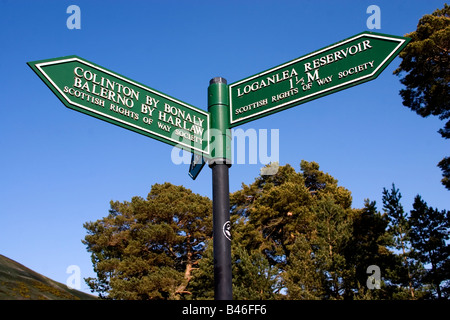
x=218 y=80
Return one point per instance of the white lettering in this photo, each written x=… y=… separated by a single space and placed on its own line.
x=285 y=95
x=314 y=76
x=255 y=86
x=251 y=106
x=337 y=55
x=356 y=69
x=109 y=89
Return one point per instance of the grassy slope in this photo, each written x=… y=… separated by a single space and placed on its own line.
x=17 y=282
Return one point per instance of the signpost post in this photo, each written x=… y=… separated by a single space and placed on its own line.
x=220 y=162
x=86 y=87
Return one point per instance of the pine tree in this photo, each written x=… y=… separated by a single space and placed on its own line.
x=304 y=277
x=271 y=211
x=368 y=247
x=429 y=235
x=147 y=249
x=257 y=279
x=399 y=228
x=334 y=228
x=293 y=219
x=426 y=62
x=202 y=283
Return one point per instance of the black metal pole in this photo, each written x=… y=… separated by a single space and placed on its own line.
x=220 y=162
x=221 y=233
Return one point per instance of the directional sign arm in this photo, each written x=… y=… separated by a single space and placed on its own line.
x=101 y=93
x=337 y=67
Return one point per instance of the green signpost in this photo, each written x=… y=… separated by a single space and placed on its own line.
x=337 y=67
x=86 y=87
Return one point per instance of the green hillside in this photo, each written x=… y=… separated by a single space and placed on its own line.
x=17 y=282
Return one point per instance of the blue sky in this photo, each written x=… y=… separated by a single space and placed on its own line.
x=61 y=168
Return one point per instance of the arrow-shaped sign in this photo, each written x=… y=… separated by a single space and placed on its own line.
x=337 y=67
x=88 y=88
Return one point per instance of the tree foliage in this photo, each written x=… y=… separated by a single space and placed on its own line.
x=426 y=69
x=399 y=230
x=429 y=236
x=147 y=248
x=295 y=236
